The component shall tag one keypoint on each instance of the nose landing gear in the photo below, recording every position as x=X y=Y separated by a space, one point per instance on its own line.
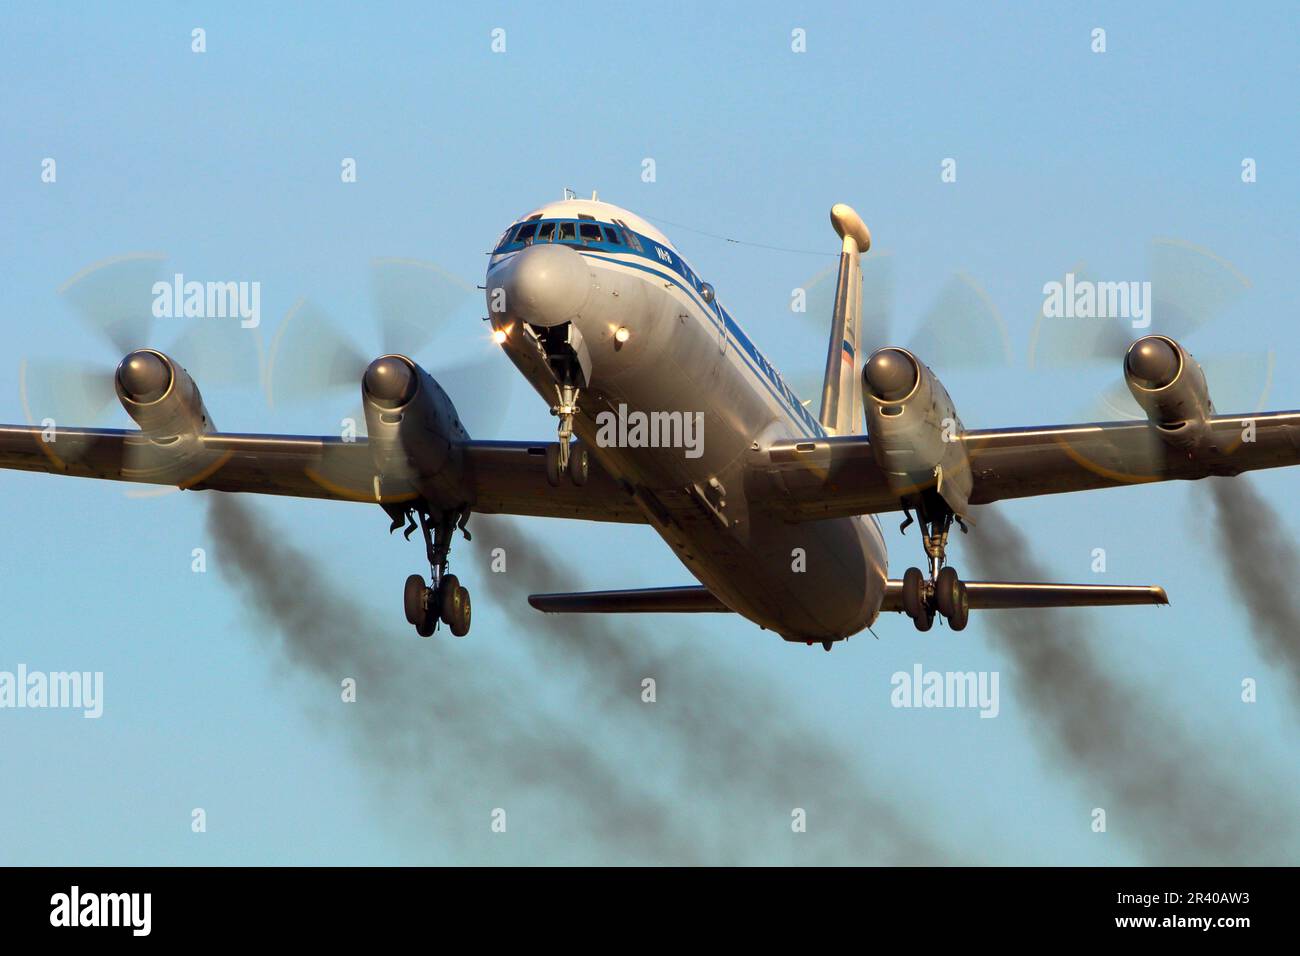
x=566 y=457
x=445 y=599
x=943 y=593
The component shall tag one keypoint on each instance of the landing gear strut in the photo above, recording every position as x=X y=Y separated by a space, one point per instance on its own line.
x=943 y=592
x=444 y=599
x=566 y=456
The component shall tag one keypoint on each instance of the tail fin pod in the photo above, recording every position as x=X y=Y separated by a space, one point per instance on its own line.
x=841 y=411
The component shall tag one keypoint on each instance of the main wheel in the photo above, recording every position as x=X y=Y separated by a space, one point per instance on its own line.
x=947 y=591
x=913 y=600
x=578 y=465
x=413 y=599
x=553 y=465
x=957 y=620
x=449 y=593
x=460 y=626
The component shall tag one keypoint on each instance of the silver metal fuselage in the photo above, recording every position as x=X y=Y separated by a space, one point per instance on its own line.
x=810 y=581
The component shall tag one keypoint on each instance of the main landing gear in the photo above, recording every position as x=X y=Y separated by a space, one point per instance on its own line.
x=943 y=593
x=445 y=599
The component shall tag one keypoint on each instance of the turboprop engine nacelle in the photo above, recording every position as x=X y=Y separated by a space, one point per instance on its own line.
x=160 y=396
x=414 y=432
x=1171 y=388
x=914 y=429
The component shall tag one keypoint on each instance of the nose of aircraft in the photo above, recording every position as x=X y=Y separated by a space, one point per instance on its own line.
x=542 y=285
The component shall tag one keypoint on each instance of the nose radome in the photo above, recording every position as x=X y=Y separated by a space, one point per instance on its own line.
x=543 y=285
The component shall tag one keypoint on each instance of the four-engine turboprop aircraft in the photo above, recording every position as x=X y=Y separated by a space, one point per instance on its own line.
x=669 y=415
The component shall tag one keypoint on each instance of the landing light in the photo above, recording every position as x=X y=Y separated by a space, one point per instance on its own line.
x=499 y=336
x=622 y=335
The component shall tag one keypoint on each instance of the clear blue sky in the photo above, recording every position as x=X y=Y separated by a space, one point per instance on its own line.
x=228 y=162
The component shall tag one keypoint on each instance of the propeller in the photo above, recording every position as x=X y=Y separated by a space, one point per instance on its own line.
x=961 y=328
x=413 y=305
x=114 y=299
x=1191 y=288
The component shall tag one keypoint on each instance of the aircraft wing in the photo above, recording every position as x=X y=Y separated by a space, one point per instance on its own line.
x=501 y=477
x=808 y=479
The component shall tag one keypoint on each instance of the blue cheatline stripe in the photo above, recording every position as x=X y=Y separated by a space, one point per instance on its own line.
x=754 y=358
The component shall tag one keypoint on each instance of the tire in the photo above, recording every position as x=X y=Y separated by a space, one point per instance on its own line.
x=925 y=621
x=460 y=626
x=448 y=598
x=947 y=591
x=912 y=602
x=961 y=615
x=413 y=599
x=553 y=465
x=426 y=627
x=579 y=465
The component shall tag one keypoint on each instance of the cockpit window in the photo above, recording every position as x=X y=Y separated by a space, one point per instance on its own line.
x=632 y=240
x=585 y=231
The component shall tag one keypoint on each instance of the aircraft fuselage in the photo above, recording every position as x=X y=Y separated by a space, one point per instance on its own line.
x=655 y=353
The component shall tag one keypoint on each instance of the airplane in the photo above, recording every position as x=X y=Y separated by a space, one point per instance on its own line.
x=774 y=510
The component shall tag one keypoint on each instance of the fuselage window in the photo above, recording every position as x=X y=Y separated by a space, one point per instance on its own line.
x=545 y=231
x=589 y=231
x=612 y=236
x=567 y=232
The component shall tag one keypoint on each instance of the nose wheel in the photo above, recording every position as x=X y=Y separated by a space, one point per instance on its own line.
x=444 y=599
x=943 y=592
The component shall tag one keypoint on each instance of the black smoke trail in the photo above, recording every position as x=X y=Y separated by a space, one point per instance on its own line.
x=445 y=724
x=711 y=776
x=1187 y=805
x=1265 y=565
x=735 y=738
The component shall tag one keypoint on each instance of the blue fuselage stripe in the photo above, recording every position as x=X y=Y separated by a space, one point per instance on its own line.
x=754 y=359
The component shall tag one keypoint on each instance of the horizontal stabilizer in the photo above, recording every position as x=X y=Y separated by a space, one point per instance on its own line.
x=684 y=600
x=1005 y=595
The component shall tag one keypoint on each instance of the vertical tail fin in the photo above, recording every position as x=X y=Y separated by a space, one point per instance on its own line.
x=841 y=411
